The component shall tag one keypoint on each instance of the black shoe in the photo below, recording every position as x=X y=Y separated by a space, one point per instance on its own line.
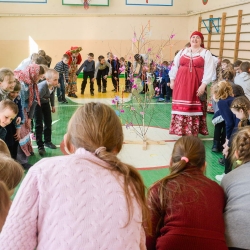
x=27 y=166
x=221 y=161
x=69 y=95
x=216 y=147
x=64 y=101
x=142 y=92
x=114 y=90
x=92 y=93
x=50 y=145
x=32 y=153
x=104 y=90
x=41 y=151
x=82 y=92
x=99 y=89
x=60 y=98
x=74 y=95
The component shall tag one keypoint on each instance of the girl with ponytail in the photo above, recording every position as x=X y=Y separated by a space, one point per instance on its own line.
x=186 y=208
x=86 y=200
x=236 y=186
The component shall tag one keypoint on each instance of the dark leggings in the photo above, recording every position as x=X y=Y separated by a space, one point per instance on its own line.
x=220 y=132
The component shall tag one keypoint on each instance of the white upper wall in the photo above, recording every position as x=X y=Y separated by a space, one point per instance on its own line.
x=116 y=7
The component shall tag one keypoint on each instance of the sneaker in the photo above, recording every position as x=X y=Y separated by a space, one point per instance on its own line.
x=60 y=98
x=91 y=93
x=219 y=177
x=32 y=153
x=27 y=166
x=64 y=101
x=41 y=151
x=221 y=161
x=168 y=100
x=161 y=100
x=142 y=92
x=32 y=137
x=74 y=95
x=50 y=145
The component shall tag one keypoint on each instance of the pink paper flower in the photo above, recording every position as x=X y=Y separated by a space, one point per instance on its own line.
x=172 y=36
x=149 y=49
x=132 y=108
x=122 y=111
x=134 y=86
x=142 y=113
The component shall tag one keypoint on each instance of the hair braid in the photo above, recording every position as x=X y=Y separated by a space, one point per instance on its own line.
x=241 y=145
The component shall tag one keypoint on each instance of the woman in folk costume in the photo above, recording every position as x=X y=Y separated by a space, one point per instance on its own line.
x=75 y=59
x=191 y=71
x=29 y=98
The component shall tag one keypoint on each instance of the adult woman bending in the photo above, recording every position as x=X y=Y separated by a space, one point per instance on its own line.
x=191 y=71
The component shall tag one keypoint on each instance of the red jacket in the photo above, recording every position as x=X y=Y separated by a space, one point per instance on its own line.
x=79 y=57
x=196 y=222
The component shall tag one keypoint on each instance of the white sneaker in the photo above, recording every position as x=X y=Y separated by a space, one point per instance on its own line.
x=219 y=177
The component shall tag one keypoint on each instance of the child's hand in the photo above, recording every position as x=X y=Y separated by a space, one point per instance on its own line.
x=17 y=134
x=53 y=109
x=225 y=151
x=18 y=120
x=66 y=84
x=93 y=79
x=105 y=77
x=168 y=84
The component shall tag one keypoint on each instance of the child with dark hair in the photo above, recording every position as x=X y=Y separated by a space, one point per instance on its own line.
x=103 y=69
x=63 y=69
x=115 y=64
x=236 y=65
x=14 y=128
x=88 y=68
x=236 y=186
x=165 y=89
x=243 y=78
x=127 y=68
x=186 y=207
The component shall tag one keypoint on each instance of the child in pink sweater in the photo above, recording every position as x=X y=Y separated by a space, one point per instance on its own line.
x=86 y=200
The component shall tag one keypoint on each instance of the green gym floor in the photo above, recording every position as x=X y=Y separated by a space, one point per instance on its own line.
x=159 y=157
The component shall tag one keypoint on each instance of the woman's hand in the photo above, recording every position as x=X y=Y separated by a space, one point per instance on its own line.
x=172 y=84
x=201 y=89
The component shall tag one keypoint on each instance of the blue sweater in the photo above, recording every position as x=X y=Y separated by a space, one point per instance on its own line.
x=230 y=119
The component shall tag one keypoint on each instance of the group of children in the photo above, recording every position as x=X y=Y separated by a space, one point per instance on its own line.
x=112 y=67
x=90 y=198
x=230 y=92
x=53 y=210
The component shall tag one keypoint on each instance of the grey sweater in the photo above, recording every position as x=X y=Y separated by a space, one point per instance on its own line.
x=45 y=95
x=102 y=67
x=236 y=185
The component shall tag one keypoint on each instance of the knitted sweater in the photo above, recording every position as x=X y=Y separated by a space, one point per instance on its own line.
x=236 y=186
x=72 y=202
x=196 y=220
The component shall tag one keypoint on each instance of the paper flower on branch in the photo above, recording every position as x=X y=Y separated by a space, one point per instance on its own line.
x=172 y=36
x=142 y=113
x=134 y=86
x=149 y=49
x=115 y=100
